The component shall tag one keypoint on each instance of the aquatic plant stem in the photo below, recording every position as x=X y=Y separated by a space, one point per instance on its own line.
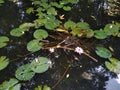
x=61 y=77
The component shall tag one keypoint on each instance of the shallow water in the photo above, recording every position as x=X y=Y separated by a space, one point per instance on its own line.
x=97 y=77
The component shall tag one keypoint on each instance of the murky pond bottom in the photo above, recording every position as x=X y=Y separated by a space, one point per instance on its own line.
x=66 y=73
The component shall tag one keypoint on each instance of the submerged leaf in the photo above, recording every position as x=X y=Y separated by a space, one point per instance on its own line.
x=40 y=65
x=103 y=52
x=34 y=45
x=24 y=72
x=4 y=61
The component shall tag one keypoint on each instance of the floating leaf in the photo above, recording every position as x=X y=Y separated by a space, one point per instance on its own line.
x=12 y=84
x=34 y=45
x=113 y=65
x=45 y=87
x=24 y=72
x=103 y=52
x=40 y=65
x=4 y=61
x=56 y=4
x=70 y=24
x=51 y=25
x=17 y=32
x=26 y=26
x=89 y=33
x=40 y=34
x=100 y=34
x=30 y=10
x=111 y=29
x=3 y=41
x=83 y=25
x=67 y=8
x=38 y=88
x=51 y=11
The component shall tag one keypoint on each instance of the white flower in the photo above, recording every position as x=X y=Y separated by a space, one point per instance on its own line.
x=79 y=50
x=51 y=50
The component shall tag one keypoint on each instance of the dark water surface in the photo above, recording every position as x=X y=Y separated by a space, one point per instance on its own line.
x=98 y=77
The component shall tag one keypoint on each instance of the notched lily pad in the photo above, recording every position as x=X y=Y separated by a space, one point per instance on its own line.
x=40 y=34
x=103 y=52
x=3 y=41
x=113 y=65
x=17 y=32
x=12 y=84
x=4 y=61
x=34 y=45
x=24 y=72
x=40 y=65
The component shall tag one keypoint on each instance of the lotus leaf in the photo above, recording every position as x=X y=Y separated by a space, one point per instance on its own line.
x=103 y=52
x=24 y=72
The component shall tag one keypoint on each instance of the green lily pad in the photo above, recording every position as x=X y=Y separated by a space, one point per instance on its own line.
x=40 y=65
x=17 y=32
x=40 y=87
x=24 y=72
x=113 y=65
x=83 y=25
x=66 y=8
x=103 y=52
x=100 y=34
x=111 y=29
x=69 y=25
x=3 y=41
x=12 y=84
x=51 y=11
x=40 y=34
x=26 y=26
x=4 y=61
x=34 y=45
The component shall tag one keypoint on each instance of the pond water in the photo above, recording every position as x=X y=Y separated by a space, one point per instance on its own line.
x=84 y=74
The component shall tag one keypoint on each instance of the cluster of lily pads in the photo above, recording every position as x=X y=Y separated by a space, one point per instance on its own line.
x=48 y=20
